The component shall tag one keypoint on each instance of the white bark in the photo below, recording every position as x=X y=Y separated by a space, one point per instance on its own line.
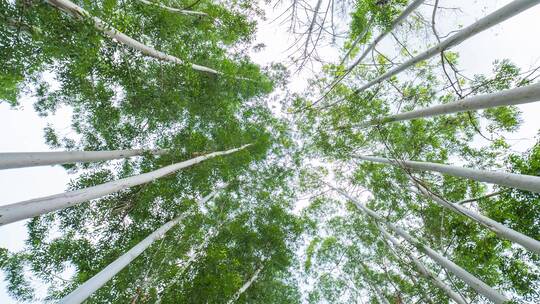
x=424 y=271
x=411 y=8
x=175 y=10
x=521 y=95
x=85 y=290
x=246 y=285
x=461 y=273
x=506 y=12
x=33 y=159
x=34 y=207
x=79 y=13
x=499 y=229
x=518 y=181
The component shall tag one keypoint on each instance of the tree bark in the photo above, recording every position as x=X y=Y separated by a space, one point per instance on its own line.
x=33 y=159
x=461 y=273
x=521 y=95
x=499 y=229
x=175 y=10
x=424 y=271
x=246 y=285
x=85 y=290
x=506 y=12
x=411 y=8
x=518 y=181
x=79 y=13
x=34 y=207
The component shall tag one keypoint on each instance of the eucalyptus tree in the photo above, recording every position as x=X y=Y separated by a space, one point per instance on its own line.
x=124 y=100
x=443 y=127
x=84 y=291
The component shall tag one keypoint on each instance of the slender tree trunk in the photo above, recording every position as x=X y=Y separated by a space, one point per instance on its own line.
x=34 y=207
x=79 y=13
x=411 y=8
x=175 y=10
x=246 y=285
x=424 y=271
x=461 y=273
x=521 y=95
x=33 y=159
x=518 y=181
x=85 y=290
x=506 y=12
x=499 y=229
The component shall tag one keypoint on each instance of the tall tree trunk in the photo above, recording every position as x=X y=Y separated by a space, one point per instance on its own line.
x=79 y=13
x=461 y=273
x=521 y=95
x=174 y=10
x=504 y=13
x=246 y=285
x=33 y=159
x=499 y=229
x=34 y=207
x=411 y=8
x=85 y=290
x=518 y=181
x=423 y=270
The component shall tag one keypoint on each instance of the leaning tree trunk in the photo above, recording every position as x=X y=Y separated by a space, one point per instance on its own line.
x=499 y=229
x=34 y=207
x=518 y=181
x=461 y=273
x=246 y=285
x=506 y=12
x=79 y=13
x=521 y=95
x=85 y=290
x=421 y=269
x=33 y=159
x=175 y=10
x=411 y=8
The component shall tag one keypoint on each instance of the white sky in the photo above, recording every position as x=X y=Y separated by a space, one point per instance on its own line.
x=22 y=130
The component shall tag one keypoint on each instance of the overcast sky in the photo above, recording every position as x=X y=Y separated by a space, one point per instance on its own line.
x=22 y=130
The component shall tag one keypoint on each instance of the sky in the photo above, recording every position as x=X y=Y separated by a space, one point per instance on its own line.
x=517 y=39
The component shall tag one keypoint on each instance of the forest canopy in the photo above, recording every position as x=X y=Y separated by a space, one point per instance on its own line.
x=201 y=176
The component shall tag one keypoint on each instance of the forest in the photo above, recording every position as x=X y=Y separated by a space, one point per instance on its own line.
x=197 y=174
